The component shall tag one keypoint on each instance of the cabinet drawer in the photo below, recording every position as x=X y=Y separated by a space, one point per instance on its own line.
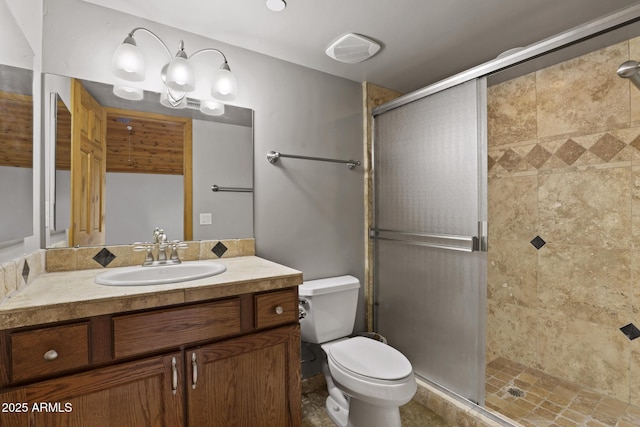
x=49 y=351
x=162 y=329
x=276 y=308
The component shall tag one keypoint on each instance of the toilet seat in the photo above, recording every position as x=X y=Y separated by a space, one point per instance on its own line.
x=370 y=359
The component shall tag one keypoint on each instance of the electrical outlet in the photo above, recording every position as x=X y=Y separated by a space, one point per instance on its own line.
x=205 y=219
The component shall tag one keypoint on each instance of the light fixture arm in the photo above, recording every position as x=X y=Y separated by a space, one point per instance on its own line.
x=209 y=49
x=166 y=48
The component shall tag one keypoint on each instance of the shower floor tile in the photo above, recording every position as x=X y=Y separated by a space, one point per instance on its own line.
x=535 y=399
x=413 y=414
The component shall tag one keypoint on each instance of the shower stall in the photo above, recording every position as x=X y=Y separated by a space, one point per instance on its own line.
x=506 y=228
x=430 y=217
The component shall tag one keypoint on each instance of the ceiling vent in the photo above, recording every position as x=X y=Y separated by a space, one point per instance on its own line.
x=352 y=48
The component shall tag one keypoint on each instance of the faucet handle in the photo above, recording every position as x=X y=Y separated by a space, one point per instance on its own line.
x=143 y=246
x=175 y=245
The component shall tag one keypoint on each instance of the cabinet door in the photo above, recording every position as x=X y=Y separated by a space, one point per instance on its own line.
x=133 y=394
x=251 y=381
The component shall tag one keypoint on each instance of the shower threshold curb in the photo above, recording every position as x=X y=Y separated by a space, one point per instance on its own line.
x=486 y=417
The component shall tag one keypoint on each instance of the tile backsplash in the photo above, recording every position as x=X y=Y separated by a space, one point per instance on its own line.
x=94 y=257
x=17 y=274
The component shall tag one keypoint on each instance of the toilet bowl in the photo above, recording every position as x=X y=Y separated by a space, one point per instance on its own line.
x=367 y=380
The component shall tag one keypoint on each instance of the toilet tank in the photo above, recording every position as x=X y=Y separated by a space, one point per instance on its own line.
x=331 y=305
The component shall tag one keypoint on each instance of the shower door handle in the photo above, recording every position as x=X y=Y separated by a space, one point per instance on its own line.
x=439 y=241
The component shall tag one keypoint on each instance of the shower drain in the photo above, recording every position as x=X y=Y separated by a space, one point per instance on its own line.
x=513 y=391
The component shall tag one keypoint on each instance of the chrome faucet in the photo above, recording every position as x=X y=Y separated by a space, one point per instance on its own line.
x=164 y=256
x=159 y=236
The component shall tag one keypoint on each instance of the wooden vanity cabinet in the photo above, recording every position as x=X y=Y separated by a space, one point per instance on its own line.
x=250 y=379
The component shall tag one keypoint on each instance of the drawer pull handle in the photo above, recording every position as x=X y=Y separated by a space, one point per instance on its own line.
x=194 y=368
x=174 y=375
x=50 y=355
x=279 y=310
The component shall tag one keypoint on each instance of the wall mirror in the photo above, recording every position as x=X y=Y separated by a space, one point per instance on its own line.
x=160 y=165
x=16 y=153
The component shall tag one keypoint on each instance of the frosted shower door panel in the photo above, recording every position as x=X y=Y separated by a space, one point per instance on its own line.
x=430 y=180
x=426 y=164
x=428 y=310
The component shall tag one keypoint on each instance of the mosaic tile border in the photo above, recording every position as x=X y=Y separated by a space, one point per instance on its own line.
x=612 y=147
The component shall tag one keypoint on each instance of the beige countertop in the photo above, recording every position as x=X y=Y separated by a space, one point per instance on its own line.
x=61 y=296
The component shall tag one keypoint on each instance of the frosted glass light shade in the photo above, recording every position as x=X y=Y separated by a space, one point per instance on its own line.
x=128 y=62
x=130 y=93
x=212 y=108
x=224 y=85
x=180 y=75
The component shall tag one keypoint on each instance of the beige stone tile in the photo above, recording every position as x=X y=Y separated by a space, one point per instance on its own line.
x=63 y=259
x=10 y=278
x=590 y=283
x=634 y=370
x=511 y=110
x=635 y=206
x=512 y=272
x=634 y=93
x=85 y=257
x=3 y=291
x=512 y=207
x=583 y=94
x=589 y=207
x=594 y=355
x=20 y=279
x=511 y=332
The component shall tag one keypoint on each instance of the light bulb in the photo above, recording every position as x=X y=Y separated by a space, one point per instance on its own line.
x=224 y=85
x=212 y=108
x=128 y=62
x=180 y=75
x=130 y=93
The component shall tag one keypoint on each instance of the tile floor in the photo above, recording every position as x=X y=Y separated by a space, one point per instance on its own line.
x=533 y=398
x=413 y=414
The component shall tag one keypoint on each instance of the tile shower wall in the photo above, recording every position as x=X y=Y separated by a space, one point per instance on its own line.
x=564 y=221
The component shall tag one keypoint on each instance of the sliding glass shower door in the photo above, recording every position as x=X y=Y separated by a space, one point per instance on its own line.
x=429 y=234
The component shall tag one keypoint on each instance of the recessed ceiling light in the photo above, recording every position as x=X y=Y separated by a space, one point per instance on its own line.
x=276 y=5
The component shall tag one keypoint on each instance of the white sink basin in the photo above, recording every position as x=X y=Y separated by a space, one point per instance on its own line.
x=160 y=274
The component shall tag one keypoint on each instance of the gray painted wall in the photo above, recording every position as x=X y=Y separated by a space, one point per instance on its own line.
x=222 y=155
x=308 y=215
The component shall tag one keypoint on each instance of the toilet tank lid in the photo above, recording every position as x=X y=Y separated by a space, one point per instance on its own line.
x=325 y=286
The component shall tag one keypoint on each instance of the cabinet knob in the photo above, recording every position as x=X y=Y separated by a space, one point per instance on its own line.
x=50 y=355
x=279 y=310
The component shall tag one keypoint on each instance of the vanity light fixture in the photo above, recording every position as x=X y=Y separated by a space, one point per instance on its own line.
x=178 y=76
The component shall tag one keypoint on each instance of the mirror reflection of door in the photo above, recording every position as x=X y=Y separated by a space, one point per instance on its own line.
x=88 y=168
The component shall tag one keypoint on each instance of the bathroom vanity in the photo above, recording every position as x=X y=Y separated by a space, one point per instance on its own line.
x=219 y=351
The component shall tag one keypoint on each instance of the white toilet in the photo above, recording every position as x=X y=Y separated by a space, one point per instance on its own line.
x=368 y=380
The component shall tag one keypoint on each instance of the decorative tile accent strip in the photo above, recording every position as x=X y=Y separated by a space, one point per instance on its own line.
x=607 y=147
x=104 y=257
x=538 y=156
x=570 y=151
x=510 y=160
x=538 y=242
x=219 y=249
x=25 y=272
x=631 y=331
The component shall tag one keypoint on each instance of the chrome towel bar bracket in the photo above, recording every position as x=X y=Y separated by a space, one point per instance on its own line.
x=273 y=156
